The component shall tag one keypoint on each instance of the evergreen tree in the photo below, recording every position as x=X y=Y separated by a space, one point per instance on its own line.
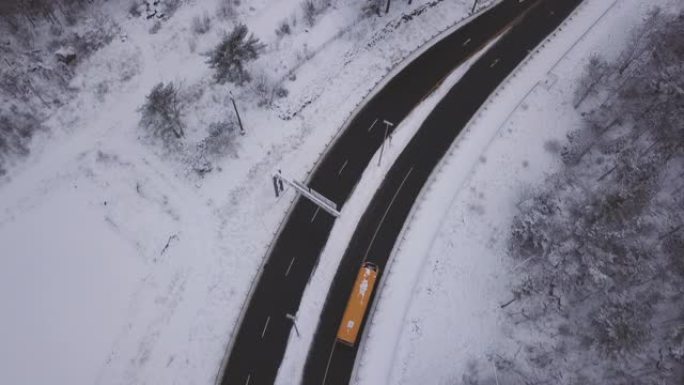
x=228 y=59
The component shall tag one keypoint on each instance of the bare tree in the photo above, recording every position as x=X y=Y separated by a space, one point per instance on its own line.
x=372 y=7
x=595 y=71
x=599 y=248
x=310 y=12
x=201 y=24
x=161 y=113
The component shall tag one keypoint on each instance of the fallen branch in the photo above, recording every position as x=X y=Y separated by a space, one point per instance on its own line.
x=168 y=243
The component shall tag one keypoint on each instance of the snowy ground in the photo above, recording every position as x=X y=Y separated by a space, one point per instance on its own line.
x=438 y=308
x=120 y=265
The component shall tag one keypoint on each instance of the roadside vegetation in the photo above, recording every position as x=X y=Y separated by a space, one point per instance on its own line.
x=42 y=43
x=599 y=248
x=61 y=35
x=238 y=74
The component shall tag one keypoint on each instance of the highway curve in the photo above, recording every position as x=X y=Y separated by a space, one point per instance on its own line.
x=261 y=339
x=329 y=362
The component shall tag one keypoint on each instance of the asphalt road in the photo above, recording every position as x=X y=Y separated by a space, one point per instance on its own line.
x=262 y=336
x=329 y=362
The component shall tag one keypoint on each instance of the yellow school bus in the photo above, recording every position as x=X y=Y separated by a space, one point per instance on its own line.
x=358 y=304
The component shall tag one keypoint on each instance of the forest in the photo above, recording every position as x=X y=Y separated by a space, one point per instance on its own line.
x=598 y=249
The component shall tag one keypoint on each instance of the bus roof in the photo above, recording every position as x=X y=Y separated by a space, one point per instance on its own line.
x=357 y=304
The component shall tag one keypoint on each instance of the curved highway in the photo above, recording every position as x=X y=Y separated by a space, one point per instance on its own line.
x=329 y=362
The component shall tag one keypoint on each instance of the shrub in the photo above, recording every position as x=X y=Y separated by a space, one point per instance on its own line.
x=16 y=131
x=310 y=12
x=161 y=113
x=263 y=89
x=283 y=29
x=226 y=10
x=201 y=24
x=228 y=59
x=220 y=140
x=134 y=9
x=312 y=8
x=620 y=328
x=155 y=27
x=267 y=90
x=171 y=6
x=372 y=7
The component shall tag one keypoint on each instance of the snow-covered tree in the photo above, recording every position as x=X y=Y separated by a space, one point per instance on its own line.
x=161 y=113
x=229 y=58
x=602 y=241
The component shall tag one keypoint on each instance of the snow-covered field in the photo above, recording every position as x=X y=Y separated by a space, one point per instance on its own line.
x=120 y=264
x=438 y=315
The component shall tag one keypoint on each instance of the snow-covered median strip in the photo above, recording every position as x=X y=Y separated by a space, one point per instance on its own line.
x=314 y=296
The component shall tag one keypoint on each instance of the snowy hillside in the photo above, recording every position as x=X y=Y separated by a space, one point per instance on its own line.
x=125 y=256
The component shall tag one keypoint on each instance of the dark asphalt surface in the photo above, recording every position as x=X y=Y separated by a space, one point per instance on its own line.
x=329 y=362
x=262 y=336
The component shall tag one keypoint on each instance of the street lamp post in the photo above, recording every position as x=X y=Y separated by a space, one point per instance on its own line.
x=294 y=322
x=382 y=148
x=242 y=129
